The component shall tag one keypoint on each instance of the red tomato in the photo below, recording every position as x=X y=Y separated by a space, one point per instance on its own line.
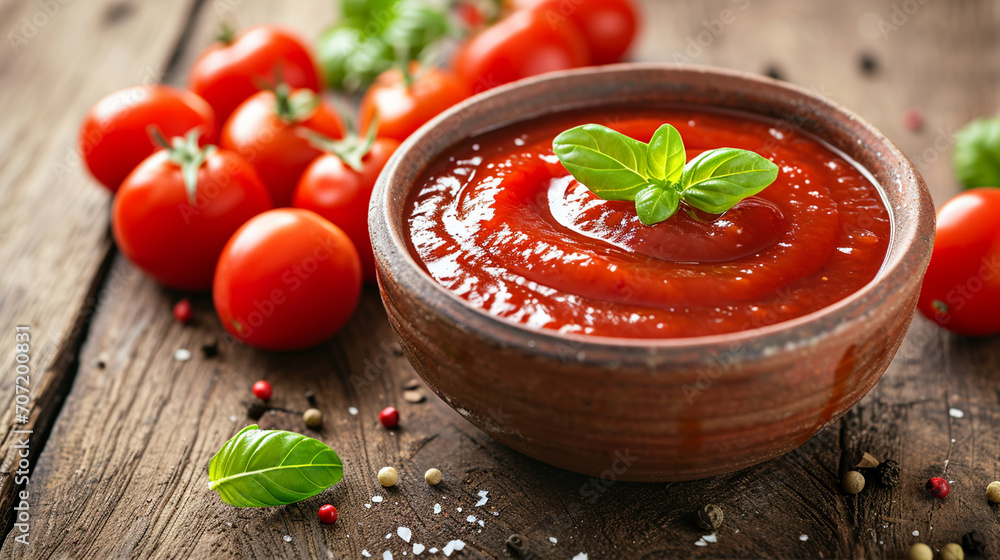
x=177 y=242
x=114 y=138
x=288 y=279
x=608 y=25
x=961 y=290
x=521 y=45
x=231 y=70
x=402 y=108
x=334 y=190
x=270 y=132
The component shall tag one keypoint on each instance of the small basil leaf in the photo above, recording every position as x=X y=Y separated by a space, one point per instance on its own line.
x=977 y=154
x=718 y=179
x=258 y=468
x=607 y=162
x=666 y=154
x=656 y=203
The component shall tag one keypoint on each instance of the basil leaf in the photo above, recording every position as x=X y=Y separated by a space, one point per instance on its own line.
x=656 y=203
x=609 y=163
x=977 y=154
x=258 y=468
x=666 y=154
x=718 y=179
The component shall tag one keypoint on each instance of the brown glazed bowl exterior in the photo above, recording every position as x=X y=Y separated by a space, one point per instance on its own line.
x=653 y=410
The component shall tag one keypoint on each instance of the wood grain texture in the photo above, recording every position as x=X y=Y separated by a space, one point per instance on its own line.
x=123 y=474
x=60 y=58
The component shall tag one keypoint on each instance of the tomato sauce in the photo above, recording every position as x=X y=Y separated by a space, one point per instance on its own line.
x=499 y=222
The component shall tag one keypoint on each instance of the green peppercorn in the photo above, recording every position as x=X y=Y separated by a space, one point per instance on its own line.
x=710 y=517
x=993 y=492
x=952 y=551
x=920 y=551
x=313 y=418
x=853 y=482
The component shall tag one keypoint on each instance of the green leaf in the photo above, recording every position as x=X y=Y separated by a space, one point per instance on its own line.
x=718 y=179
x=258 y=468
x=666 y=154
x=656 y=203
x=609 y=163
x=977 y=154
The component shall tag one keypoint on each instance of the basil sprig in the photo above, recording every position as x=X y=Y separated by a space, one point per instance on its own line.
x=977 y=153
x=258 y=468
x=655 y=175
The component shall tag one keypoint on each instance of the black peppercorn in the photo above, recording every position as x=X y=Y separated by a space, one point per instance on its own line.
x=973 y=544
x=311 y=398
x=210 y=349
x=517 y=546
x=887 y=473
x=256 y=409
x=868 y=63
x=710 y=517
x=774 y=73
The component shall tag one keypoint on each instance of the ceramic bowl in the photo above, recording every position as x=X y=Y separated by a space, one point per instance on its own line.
x=653 y=410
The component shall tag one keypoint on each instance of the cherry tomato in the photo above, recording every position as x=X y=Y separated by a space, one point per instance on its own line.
x=269 y=131
x=114 y=138
x=608 y=25
x=404 y=107
x=333 y=189
x=288 y=279
x=175 y=240
x=234 y=68
x=961 y=290
x=521 y=45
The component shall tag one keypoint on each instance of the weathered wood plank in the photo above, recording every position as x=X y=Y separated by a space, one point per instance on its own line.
x=53 y=233
x=124 y=472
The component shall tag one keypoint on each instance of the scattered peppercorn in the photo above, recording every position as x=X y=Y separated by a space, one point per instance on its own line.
x=938 y=487
x=888 y=473
x=974 y=544
x=389 y=417
x=432 y=477
x=413 y=396
x=256 y=409
x=183 y=312
x=773 y=73
x=993 y=492
x=867 y=461
x=868 y=63
x=853 y=482
x=262 y=390
x=710 y=517
x=517 y=546
x=313 y=418
x=311 y=398
x=952 y=551
x=387 y=477
x=920 y=551
x=327 y=514
x=210 y=349
x=913 y=120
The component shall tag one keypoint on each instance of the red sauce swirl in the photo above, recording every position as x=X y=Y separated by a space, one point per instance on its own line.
x=499 y=222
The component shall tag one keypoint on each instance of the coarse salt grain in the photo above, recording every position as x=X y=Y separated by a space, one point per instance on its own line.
x=700 y=542
x=287 y=538
x=471 y=519
x=387 y=555
x=376 y=498
x=553 y=540
x=452 y=546
x=182 y=354
x=482 y=498
x=916 y=533
x=404 y=533
x=581 y=556
x=437 y=508
x=956 y=413
x=366 y=554
x=803 y=537
x=352 y=411
x=710 y=538
x=417 y=548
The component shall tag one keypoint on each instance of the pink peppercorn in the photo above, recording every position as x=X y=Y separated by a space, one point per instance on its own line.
x=938 y=487
x=327 y=514
x=389 y=417
x=262 y=390
x=183 y=312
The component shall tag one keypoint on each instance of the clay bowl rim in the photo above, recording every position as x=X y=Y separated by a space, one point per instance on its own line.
x=394 y=260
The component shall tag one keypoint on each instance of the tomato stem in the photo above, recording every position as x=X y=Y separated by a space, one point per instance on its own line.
x=226 y=34
x=186 y=154
x=352 y=149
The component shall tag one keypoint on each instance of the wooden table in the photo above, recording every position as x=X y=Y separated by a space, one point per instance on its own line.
x=122 y=432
